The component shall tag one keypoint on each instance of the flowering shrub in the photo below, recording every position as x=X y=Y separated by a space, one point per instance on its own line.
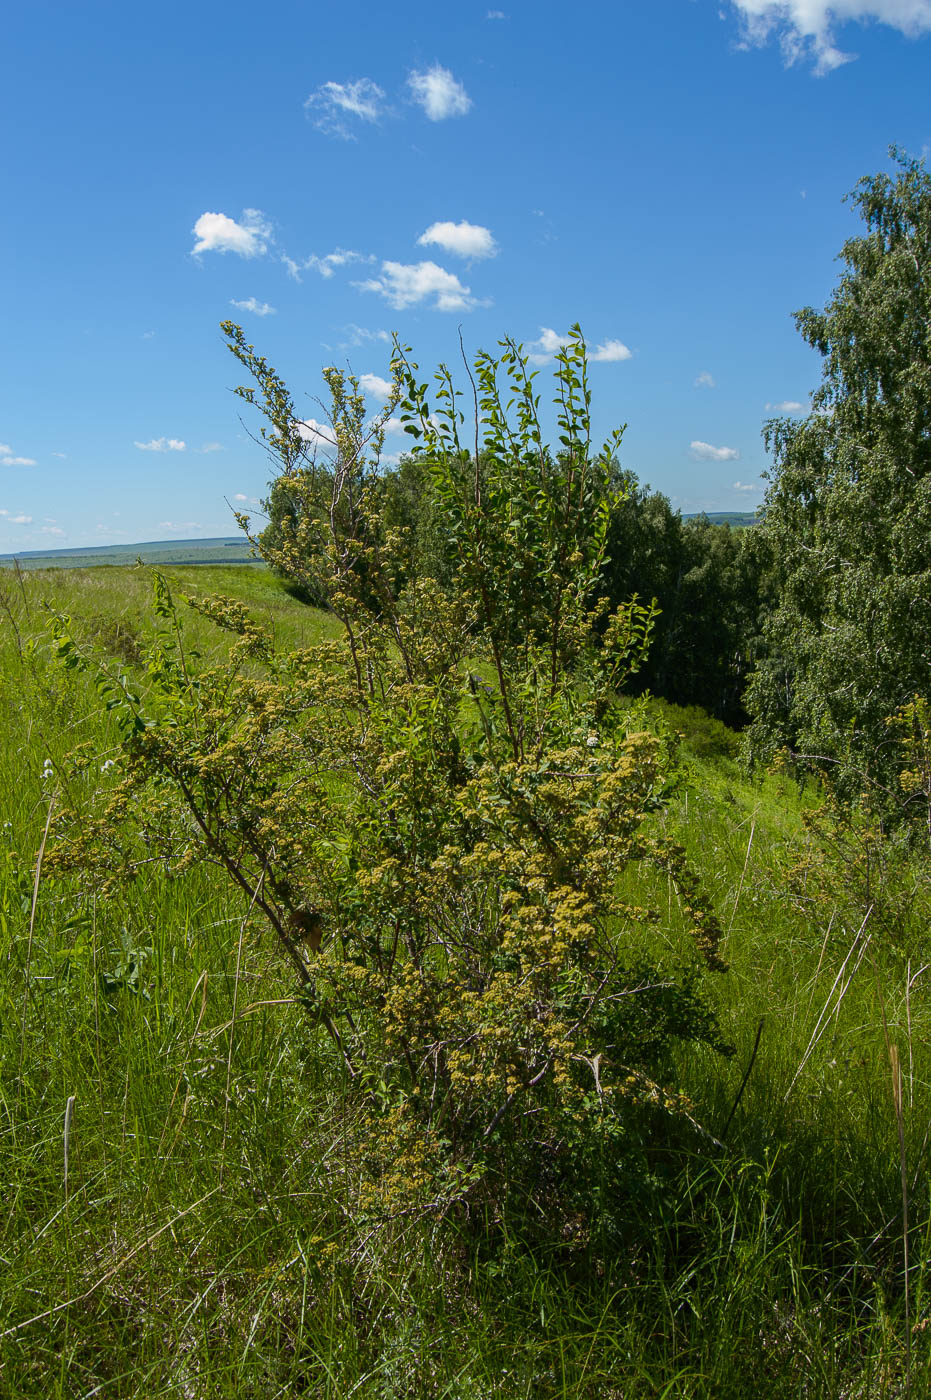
x=444 y=820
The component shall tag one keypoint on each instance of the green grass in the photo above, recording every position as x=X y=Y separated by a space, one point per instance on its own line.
x=206 y=1242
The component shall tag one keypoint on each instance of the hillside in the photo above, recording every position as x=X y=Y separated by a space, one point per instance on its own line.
x=222 y=550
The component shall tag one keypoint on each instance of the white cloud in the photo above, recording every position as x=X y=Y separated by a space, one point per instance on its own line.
x=172 y=526
x=806 y=27
x=439 y=93
x=785 y=406
x=246 y=500
x=162 y=444
x=258 y=308
x=376 y=386
x=496 y=14
x=5 y=449
x=541 y=351
x=334 y=105
x=20 y=519
x=62 y=455
x=212 y=447
x=609 y=352
x=747 y=486
x=18 y=461
x=464 y=239
x=704 y=452
x=314 y=433
x=51 y=530
x=360 y=336
x=218 y=233
x=394 y=425
x=340 y=257
x=705 y=380
x=406 y=284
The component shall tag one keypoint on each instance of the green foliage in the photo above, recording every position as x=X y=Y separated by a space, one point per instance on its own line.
x=706 y=582
x=459 y=873
x=847 y=521
x=216 y=1235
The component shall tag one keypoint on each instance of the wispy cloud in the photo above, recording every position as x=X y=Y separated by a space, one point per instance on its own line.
x=340 y=257
x=244 y=500
x=439 y=93
x=18 y=519
x=408 y=284
x=705 y=380
x=785 y=406
x=705 y=452
x=51 y=530
x=464 y=239
x=496 y=14
x=747 y=486
x=9 y=460
x=258 y=308
x=212 y=447
x=175 y=526
x=218 y=233
x=358 y=335
x=162 y=444
x=806 y=28
x=334 y=107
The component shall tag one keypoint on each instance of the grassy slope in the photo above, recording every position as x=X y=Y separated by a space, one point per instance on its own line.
x=205 y=1244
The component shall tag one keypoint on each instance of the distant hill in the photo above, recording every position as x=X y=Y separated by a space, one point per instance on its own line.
x=231 y=550
x=737 y=519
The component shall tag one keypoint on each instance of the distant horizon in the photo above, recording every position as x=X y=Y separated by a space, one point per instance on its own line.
x=229 y=541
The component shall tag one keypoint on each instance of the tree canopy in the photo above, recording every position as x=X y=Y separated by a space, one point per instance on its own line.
x=847 y=519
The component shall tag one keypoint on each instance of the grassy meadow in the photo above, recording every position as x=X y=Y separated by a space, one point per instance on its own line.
x=178 y=1214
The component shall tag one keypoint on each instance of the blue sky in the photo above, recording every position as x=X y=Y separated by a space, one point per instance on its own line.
x=669 y=173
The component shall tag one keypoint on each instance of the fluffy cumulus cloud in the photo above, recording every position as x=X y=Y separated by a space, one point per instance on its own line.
x=705 y=452
x=540 y=352
x=785 y=406
x=162 y=444
x=609 y=352
x=9 y=458
x=374 y=385
x=315 y=434
x=464 y=239
x=258 y=308
x=806 y=28
x=439 y=93
x=218 y=233
x=335 y=108
x=408 y=284
x=705 y=380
